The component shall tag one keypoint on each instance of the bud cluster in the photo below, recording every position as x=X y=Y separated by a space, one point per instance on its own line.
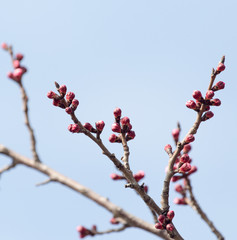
x=19 y=70
x=121 y=126
x=165 y=221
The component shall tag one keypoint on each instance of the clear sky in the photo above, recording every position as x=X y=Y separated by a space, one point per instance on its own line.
x=145 y=57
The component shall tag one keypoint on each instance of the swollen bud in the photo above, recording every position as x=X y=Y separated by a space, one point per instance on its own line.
x=191 y=104
x=168 y=149
x=190 y=138
x=100 y=125
x=207 y=115
x=220 y=67
x=210 y=94
x=175 y=134
x=197 y=95
x=170 y=215
x=117 y=112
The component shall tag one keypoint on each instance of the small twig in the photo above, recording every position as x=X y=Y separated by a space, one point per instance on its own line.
x=27 y=122
x=113 y=230
x=8 y=167
x=44 y=182
x=125 y=157
x=194 y=204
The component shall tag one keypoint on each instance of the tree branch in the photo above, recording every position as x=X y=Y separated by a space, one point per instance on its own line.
x=102 y=201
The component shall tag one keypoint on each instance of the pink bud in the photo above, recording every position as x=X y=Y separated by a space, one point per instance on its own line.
x=24 y=69
x=179 y=188
x=184 y=158
x=161 y=218
x=129 y=126
x=138 y=176
x=192 y=170
x=70 y=96
x=63 y=89
x=216 y=102
x=180 y=201
x=185 y=168
x=220 y=67
x=116 y=127
x=4 y=46
x=10 y=75
x=68 y=110
x=191 y=104
x=145 y=188
x=100 y=125
x=16 y=63
x=219 y=85
x=207 y=115
x=75 y=103
x=51 y=94
x=88 y=126
x=19 y=56
x=18 y=72
x=117 y=112
x=112 y=138
x=125 y=121
x=197 y=95
x=170 y=227
x=170 y=215
x=114 y=221
x=75 y=128
x=115 y=176
x=168 y=148
x=190 y=138
x=175 y=134
x=175 y=178
x=56 y=102
x=159 y=226
x=187 y=148
x=130 y=135
x=210 y=94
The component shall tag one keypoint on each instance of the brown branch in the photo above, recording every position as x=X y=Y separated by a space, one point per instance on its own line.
x=194 y=204
x=27 y=122
x=8 y=167
x=130 y=219
x=112 y=230
x=125 y=157
x=180 y=145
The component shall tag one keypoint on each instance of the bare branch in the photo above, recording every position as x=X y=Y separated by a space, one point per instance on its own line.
x=130 y=219
x=113 y=230
x=194 y=204
x=8 y=167
x=44 y=182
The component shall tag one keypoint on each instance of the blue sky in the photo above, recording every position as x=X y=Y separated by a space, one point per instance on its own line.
x=145 y=57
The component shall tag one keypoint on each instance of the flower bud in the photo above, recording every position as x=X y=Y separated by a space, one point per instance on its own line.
x=159 y=226
x=185 y=168
x=56 y=102
x=175 y=178
x=51 y=94
x=19 y=56
x=74 y=128
x=207 y=115
x=116 y=127
x=175 y=134
x=18 y=72
x=63 y=89
x=115 y=176
x=138 y=176
x=191 y=104
x=170 y=227
x=114 y=221
x=219 y=85
x=179 y=188
x=70 y=96
x=4 y=46
x=100 y=125
x=16 y=63
x=113 y=138
x=192 y=170
x=10 y=75
x=69 y=110
x=168 y=149
x=209 y=94
x=180 y=201
x=88 y=126
x=220 y=67
x=197 y=95
x=187 y=148
x=170 y=215
x=184 y=158
x=161 y=218
x=125 y=121
x=190 y=138
x=130 y=135
x=216 y=102
x=145 y=188
x=117 y=112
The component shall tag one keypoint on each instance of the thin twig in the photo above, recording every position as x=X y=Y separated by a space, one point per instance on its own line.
x=113 y=230
x=125 y=157
x=8 y=167
x=194 y=204
x=44 y=182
